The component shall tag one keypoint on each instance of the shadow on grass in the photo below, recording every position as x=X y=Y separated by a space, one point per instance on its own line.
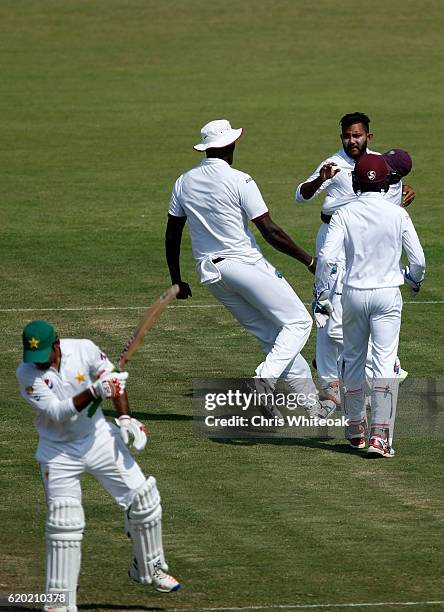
x=323 y=444
x=152 y=416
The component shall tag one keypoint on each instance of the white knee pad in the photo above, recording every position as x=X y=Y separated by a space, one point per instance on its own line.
x=64 y=532
x=144 y=525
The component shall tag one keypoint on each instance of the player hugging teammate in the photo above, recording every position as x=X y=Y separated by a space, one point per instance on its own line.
x=357 y=303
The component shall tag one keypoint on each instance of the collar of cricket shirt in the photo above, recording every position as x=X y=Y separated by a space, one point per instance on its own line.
x=214 y=160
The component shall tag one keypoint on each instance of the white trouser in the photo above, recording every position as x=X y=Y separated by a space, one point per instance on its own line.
x=329 y=337
x=376 y=312
x=103 y=455
x=266 y=306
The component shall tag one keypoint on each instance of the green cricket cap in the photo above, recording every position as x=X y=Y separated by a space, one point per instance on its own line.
x=38 y=338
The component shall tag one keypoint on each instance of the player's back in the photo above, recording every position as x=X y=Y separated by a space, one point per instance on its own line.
x=373 y=229
x=211 y=195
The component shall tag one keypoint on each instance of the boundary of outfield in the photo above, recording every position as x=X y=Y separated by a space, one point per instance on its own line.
x=323 y=605
x=111 y=308
x=312 y=606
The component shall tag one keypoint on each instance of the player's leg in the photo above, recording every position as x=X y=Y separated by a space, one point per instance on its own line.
x=266 y=306
x=385 y=324
x=329 y=338
x=356 y=328
x=327 y=354
x=64 y=527
x=110 y=461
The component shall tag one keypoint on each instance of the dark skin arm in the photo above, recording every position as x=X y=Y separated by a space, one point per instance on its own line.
x=327 y=172
x=281 y=241
x=173 y=239
x=83 y=399
x=408 y=195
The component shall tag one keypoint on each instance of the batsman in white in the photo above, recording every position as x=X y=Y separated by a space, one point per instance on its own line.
x=218 y=201
x=64 y=381
x=334 y=177
x=372 y=232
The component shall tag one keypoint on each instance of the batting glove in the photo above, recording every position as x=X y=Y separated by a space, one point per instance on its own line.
x=110 y=385
x=415 y=286
x=322 y=307
x=132 y=427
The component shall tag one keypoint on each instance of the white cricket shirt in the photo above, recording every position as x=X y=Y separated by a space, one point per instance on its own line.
x=373 y=232
x=339 y=189
x=50 y=392
x=218 y=202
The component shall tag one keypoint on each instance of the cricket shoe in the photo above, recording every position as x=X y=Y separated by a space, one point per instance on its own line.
x=162 y=582
x=323 y=409
x=333 y=393
x=379 y=448
x=265 y=394
x=357 y=443
x=355 y=434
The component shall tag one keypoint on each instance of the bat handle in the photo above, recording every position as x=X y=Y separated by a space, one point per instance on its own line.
x=122 y=357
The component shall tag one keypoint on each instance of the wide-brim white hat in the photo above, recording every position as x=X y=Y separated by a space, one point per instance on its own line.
x=217 y=134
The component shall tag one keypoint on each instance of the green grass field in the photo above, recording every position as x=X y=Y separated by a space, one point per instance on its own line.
x=101 y=102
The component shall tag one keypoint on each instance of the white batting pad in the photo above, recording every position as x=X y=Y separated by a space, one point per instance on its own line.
x=144 y=524
x=64 y=532
x=384 y=401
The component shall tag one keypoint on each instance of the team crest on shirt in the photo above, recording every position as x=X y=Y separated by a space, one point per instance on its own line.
x=371 y=174
x=30 y=391
x=80 y=377
x=49 y=383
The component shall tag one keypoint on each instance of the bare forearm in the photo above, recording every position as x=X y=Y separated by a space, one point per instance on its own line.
x=82 y=400
x=121 y=404
x=283 y=243
x=308 y=189
x=173 y=239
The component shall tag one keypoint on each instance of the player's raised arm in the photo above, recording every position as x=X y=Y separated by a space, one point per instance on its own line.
x=307 y=190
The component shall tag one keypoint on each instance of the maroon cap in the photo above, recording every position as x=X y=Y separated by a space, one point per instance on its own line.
x=371 y=169
x=399 y=161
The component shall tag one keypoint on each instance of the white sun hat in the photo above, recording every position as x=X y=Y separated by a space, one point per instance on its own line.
x=217 y=134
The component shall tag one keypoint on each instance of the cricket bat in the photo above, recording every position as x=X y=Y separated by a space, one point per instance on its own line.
x=145 y=324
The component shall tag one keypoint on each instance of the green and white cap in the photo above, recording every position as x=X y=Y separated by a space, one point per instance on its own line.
x=38 y=338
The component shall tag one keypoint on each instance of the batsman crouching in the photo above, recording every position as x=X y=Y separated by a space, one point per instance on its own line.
x=64 y=381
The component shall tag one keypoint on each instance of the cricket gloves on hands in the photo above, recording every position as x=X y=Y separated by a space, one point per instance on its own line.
x=132 y=427
x=110 y=385
x=322 y=307
x=415 y=286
